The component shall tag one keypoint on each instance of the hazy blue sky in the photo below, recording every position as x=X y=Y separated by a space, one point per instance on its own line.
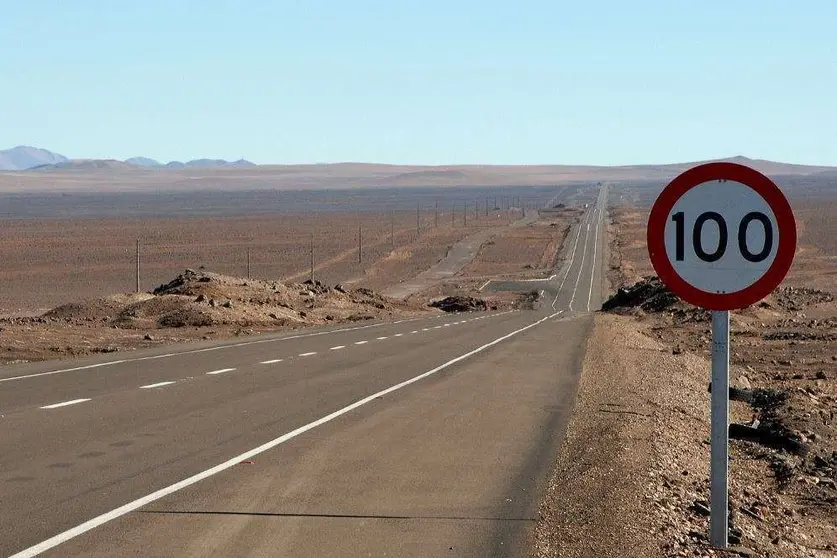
x=608 y=82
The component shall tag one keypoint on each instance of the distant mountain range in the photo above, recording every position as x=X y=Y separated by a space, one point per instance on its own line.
x=29 y=158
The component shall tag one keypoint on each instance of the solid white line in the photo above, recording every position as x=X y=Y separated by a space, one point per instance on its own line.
x=361 y=342
x=97 y=521
x=62 y=371
x=308 y=354
x=274 y=361
x=221 y=371
x=64 y=404
x=595 y=249
x=337 y=348
x=569 y=267
x=580 y=266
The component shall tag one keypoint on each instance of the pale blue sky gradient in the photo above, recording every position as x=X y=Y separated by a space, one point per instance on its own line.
x=433 y=82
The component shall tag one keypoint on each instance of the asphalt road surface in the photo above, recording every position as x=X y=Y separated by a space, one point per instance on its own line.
x=427 y=437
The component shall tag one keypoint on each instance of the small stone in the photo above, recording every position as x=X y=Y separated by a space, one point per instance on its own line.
x=201 y=298
x=148 y=337
x=228 y=304
x=744 y=382
x=821 y=375
x=212 y=302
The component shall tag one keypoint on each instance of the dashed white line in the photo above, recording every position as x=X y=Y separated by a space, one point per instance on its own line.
x=312 y=353
x=414 y=331
x=158 y=384
x=569 y=267
x=398 y=335
x=382 y=338
x=337 y=348
x=425 y=329
x=274 y=361
x=361 y=342
x=64 y=404
x=221 y=371
x=99 y=520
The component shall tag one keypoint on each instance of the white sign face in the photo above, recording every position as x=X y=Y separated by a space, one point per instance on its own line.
x=721 y=236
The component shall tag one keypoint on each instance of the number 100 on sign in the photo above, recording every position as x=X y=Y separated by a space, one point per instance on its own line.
x=721 y=237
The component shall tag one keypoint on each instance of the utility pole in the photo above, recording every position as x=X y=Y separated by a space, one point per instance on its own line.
x=418 y=218
x=312 y=256
x=486 y=206
x=392 y=229
x=465 y=214
x=248 y=261
x=138 y=266
x=436 y=215
x=453 y=214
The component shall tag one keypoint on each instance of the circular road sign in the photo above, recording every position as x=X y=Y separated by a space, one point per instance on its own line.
x=721 y=236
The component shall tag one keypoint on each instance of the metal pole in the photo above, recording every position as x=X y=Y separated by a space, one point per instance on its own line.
x=138 y=266
x=719 y=495
x=312 y=256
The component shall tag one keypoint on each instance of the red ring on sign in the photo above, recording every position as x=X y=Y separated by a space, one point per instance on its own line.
x=767 y=190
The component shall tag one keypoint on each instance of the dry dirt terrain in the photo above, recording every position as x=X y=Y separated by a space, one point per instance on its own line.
x=212 y=303
x=50 y=262
x=642 y=488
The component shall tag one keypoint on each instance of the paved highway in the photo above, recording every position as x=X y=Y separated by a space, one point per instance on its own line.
x=422 y=437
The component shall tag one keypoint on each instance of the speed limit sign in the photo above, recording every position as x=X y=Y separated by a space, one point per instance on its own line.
x=721 y=236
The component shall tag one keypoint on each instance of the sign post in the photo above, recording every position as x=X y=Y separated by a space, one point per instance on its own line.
x=721 y=236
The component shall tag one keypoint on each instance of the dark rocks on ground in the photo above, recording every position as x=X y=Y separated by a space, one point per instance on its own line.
x=460 y=304
x=228 y=304
x=649 y=294
x=200 y=298
x=148 y=337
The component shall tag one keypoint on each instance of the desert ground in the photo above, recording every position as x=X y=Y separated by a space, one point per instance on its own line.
x=634 y=470
x=69 y=283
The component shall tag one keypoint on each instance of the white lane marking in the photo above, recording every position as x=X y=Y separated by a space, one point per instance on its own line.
x=312 y=353
x=196 y=351
x=581 y=265
x=382 y=338
x=62 y=371
x=221 y=371
x=484 y=285
x=398 y=335
x=425 y=329
x=97 y=521
x=437 y=327
x=595 y=249
x=569 y=267
x=448 y=325
x=414 y=331
x=64 y=404
x=158 y=384
x=274 y=361
x=397 y=322
x=361 y=342
x=337 y=348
